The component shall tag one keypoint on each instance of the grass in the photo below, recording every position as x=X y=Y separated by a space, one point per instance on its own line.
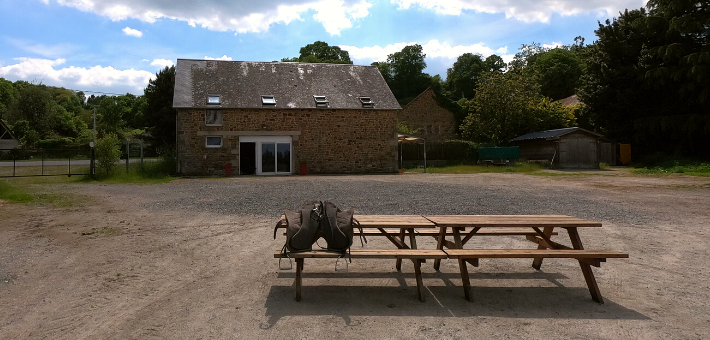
x=685 y=167
x=14 y=194
x=151 y=173
x=524 y=168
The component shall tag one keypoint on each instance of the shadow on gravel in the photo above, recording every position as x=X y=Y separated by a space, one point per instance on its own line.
x=348 y=301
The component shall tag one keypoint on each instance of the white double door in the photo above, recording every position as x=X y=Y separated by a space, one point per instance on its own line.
x=273 y=154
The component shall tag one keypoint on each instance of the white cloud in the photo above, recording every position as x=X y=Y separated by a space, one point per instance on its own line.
x=554 y=44
x=96 y=78
x=162 y=63
x=524 y=10
x=224 y=57
x=432 y=49
x=47 y=51
x=132 y=32
x=237 y=16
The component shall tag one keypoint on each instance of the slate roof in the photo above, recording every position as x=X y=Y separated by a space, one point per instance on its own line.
x=571 y=100
x=240 y=84
x=552 y=134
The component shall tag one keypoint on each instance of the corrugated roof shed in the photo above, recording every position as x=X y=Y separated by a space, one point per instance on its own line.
x=240 y=84
x=551 y=134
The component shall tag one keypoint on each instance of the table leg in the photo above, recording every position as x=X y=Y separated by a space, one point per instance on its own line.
x=537 y=262
x=401 y=239
x=299 y=269
x=418 y=275
x=440 y=245
x=586 y=268
x=465 y=280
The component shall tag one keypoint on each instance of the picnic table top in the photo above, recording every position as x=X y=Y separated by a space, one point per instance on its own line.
x=503 y=221
x=471 y=221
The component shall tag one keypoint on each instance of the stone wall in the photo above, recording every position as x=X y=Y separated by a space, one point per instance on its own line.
x=433 y=121
x=327 y=140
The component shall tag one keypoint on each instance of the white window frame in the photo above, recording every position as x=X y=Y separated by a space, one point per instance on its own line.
x=259 y=140
x=268 y=100
x=367 y=102
x=212 y=146
x=213 y=99
x=321 y=101
x=221 y=118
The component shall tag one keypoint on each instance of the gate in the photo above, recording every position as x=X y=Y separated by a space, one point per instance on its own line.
x=49 y=162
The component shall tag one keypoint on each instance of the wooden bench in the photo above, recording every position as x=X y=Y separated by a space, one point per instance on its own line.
x=589 y=257
x=416 y=255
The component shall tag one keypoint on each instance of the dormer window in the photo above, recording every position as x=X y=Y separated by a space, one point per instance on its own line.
x=321 y=101
x=367 y=102
x=213 y=100
x=268 y=100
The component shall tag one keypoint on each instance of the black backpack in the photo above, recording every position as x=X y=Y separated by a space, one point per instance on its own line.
x=316 y=219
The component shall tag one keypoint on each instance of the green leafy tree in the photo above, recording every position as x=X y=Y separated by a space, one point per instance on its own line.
x=159 y=114
x=108 y=152
x=462 y=78
x=510 y=105
x=35 y=105
x=110 y=116
x=558 y=72
x=404 y=73
x=8 y=95
x=321 y=52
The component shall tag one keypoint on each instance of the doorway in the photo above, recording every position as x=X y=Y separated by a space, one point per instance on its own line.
x=266 y=155
x=247 y=158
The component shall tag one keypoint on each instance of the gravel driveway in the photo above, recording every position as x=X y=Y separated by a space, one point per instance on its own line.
x=193 y=259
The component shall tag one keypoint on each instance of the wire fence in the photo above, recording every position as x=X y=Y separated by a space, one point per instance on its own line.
x=45 y=162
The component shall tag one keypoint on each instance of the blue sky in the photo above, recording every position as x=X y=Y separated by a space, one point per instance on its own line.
x=116 y=46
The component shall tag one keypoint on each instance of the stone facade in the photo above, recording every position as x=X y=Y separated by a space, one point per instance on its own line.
x=326 y=140
x=434 y=122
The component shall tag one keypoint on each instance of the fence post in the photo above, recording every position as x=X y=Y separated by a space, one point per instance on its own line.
x=128 y=152
x=42 y=163
x=92 y=164
x=141 y=154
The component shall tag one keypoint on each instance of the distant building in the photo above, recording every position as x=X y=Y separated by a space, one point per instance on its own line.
x=428 y=118
x=567 y=148
x=571 y=100
x=283 y=118
x=7 y=140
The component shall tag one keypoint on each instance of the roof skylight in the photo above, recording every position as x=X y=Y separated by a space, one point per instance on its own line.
x=268 y=100
x=213 y=99
x=367 y=102
x=321 y=101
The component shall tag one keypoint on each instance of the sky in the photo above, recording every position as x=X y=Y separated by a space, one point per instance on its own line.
x=117 y=46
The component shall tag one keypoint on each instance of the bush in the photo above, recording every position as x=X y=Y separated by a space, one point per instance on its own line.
x=108 y=153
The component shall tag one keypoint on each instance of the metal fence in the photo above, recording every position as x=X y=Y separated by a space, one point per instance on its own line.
x=45 y=162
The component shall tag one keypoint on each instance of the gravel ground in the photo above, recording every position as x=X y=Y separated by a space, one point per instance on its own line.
x=193 y=259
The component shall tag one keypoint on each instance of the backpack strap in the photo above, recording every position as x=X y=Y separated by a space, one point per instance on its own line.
x=280 y=224
x=359 y=227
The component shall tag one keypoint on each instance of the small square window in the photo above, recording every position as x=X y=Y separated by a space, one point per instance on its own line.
x=367 y=102
x=213 y=100
x=321 y=101
x=213 y=117
x=213 y=141
x=268 y=100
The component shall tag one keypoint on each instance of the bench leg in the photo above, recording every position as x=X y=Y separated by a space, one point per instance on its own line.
x=537 y=263
x=401 y=238
x=440 y=246
x=586 y=268
x=299 y=269
x=465 y=280
x=418 y=275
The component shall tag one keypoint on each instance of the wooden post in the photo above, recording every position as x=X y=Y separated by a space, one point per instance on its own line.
x=537 y=262
x=440 y=245
x=299 y=269
x=420 y=283
x=586 y=268
x=462 y=265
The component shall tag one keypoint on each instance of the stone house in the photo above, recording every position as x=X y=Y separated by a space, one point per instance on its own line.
x=433 y=122
x=268 y=118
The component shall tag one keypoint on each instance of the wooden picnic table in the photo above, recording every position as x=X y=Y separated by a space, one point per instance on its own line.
x=541 y=228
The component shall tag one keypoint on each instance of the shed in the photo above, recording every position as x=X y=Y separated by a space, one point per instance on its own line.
x=573 y=148
x=7 y=140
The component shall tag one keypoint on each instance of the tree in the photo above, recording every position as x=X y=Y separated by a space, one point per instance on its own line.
x=35 y=105
x=321 y=52
x=8 y=95
x=558 y=72
x=404 y=73
x=462 y=78
x=509 y=105
x=108 y=152
x=159 y=114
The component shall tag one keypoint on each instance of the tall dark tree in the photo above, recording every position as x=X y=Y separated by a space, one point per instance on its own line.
x=558 y=71
x=404 y=73
x=321 y=52
x=8 y=94
x=159 y=114
x=462 y=78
